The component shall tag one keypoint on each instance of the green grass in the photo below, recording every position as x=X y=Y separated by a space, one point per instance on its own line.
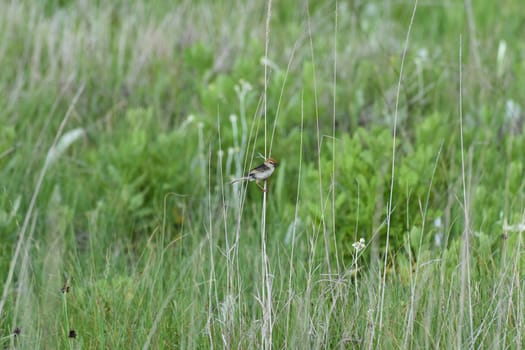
x=122 y=123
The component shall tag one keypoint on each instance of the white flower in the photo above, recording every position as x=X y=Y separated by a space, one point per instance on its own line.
x=359 y=245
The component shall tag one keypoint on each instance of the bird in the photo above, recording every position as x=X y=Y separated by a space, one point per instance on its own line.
x=260 y=173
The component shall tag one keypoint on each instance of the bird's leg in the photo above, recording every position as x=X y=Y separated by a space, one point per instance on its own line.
x=261 y=187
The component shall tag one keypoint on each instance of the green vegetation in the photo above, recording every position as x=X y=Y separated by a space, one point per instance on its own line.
x=122 y=123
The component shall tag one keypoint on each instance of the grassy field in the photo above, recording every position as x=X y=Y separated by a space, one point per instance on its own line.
x=395 y=219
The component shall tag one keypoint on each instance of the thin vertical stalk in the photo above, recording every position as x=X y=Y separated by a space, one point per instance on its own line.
x=266 y=333
x=465 y=249
x=391 y=195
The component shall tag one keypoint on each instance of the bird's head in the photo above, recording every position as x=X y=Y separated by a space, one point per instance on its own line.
x=272 y=162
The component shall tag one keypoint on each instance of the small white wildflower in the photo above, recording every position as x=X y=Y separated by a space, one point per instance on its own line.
x=220 y=153
x=242 y=88
x=359 y=245
x=233 y=118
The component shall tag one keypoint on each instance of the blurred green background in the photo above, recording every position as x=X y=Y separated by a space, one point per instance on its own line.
x=125 y=121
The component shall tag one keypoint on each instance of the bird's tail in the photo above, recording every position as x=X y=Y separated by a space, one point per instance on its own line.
x=239 y=179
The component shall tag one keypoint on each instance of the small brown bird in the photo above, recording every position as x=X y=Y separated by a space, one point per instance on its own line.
x=260 y=173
